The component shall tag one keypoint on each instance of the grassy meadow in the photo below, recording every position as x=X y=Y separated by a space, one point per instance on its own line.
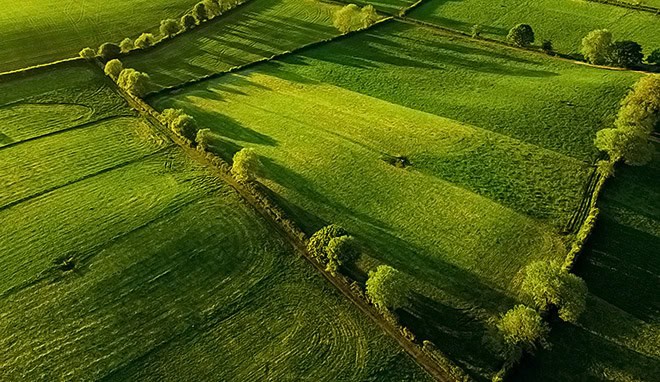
x=564 y=22
x=40 y=31
x=620 y=330
x=123 y=259
x=257 y=30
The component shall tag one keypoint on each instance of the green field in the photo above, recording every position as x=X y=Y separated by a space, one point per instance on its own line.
x=620 y=331
x=123 y=259
x=564 y=22
x=389 y=6
x=257 y=30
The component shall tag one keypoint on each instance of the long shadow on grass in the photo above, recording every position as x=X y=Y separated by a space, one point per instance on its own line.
x=228 y=127
x=430 y=10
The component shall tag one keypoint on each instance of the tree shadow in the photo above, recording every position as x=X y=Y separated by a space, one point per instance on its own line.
x=228 y=127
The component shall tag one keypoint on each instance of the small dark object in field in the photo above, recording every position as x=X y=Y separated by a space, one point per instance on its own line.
x=567 y=103
x=397 y=161
x=66 y=263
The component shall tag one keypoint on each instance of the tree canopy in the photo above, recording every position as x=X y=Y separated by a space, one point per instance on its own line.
x=388 y=288
x=113 y=69
x=145 y=40
x=318 y=243
x=108 y=51
x=521 y=35
x=134 y=82
x=596 y=46
x=522 y=329
x=126 y=45
x=626 y=54
x=169 y=27
x=351 y=18
x=246 y=165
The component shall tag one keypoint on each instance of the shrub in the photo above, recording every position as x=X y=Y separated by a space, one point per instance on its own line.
x=169 y=27
x=626 y=54
x=188 y=21
x=340 y=251
x=246 y=165
x=199 y=11
x=108 y=51
x=145 y=40
x=213 y=8
x=185 y=126
x=547 y=47
x=203 y=138
x=88 y=54
x=126 y=45
x=387 y=288
x=630 y=145
x=170 y=115
x=113 y=68
x=476 y=30
x=351 y=18
x=369 y=16
x=654 y=57
x=596 y=46
x=134 y=82
x=521 y=35
x=548 y=285
x=318 y=243
x=521 y=330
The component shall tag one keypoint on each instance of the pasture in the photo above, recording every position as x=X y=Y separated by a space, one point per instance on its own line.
x=254 y=31
x=124 y=259
x=564 y=22
x=620 y=330
x=40 y=31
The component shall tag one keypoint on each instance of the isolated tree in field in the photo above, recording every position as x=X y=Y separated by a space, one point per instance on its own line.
x=134 y=82
x=145 y=40
x=188 y=21
x=185 y=126
x=126 y=45
x=547 y=285
x=521 y=329
x=626 y=54
x=369 y=16
x=654 y=57
x=388 y=288
x=341 y=250
x=318 y=243
x=246 y=165
x=88 y=54
x=521 y=35
x=113 y=69
x=169 y=27
x=597 y=46
x=108 y=51
x=347 y=18
x=630 y=145
x=199 y=11
x=203 y=139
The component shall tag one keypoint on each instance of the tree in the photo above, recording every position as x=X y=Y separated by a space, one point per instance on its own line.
x=476 y=30
x=654 y=57
x=522 y=329
x=521 y=35
x=169 y=27
x=203 y=138
x=626 y=54
x=596 y=46
x=199 y=11
x=342 y=250
x=188 y=21
x=630 y=145
x=318 y=243
x=185 y=126
x=347 y=19
x=88 y=54
x=170 y=115
x=369 y=16
x=113 y=68
x=246 y=165
x=213 y=8
x=547 y=47
x=108 y=51
x=145 y=40
x=387 y=288
x=548 y=285
x=134 y=82
x=126 y=45
x=641 y=106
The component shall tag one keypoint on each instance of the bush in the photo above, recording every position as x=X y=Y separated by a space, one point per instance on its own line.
x=476 y=30
x=547 y=47
x=368 y=16
x=145 y=40
x=113 y=69
x=626 y=54
x=521 y=35
x=547 y=285
x=596 y=46
x=170 y=115
x=351 y=18
x=630 y=145
x=188 y=21
x=521 y=330
x=340 y=251
x=108 y=51
x=126 y=45
x=246 y=165
x=185 y=126
x=88 y=54
x=199 y=11
x=318 y=243
x=388 y=288
x=203 y=138
x=654 y=57
x=213 y=8
x=134 y=82
x=169 y=27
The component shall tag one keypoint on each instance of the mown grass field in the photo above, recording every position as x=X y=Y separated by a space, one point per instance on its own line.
x=257 y=30
x=123 y=259
x=40 y=31
x=620 y=330
x=389 y=6
x=564 y=22
x=477 y=203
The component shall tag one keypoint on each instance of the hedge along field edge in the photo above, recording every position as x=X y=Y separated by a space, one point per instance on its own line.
x=27 y=70
x=623 y=4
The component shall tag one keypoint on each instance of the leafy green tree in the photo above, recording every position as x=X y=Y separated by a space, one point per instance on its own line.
x=246 y=165
x=630 y=145
x=199 y=11
x=213 y=8
x=369 y=16
x=388 y=288
x=654 y=57
x=347 y=18
x=596 y=46
x=108 y=51
x=88 y=54
x=188 y=21
x=169 y=27
x=185 y=126
x=522 y=329
x=641 y=106
x=170 y=115
x=203 y=138
x=342 y=250
x=626 y=54
x=134 y=82
x=145 y=40
x=318 y=243
x=521 y=35
x=548 y=285
x=113 y=69
x=126 y=45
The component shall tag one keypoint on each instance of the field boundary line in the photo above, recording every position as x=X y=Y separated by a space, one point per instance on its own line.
x=25 y=70
x=623 y=4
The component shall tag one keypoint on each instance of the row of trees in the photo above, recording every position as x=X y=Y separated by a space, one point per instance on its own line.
x=334 y=247
x=351 y=18
x=638 y=117
x=599 y=48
